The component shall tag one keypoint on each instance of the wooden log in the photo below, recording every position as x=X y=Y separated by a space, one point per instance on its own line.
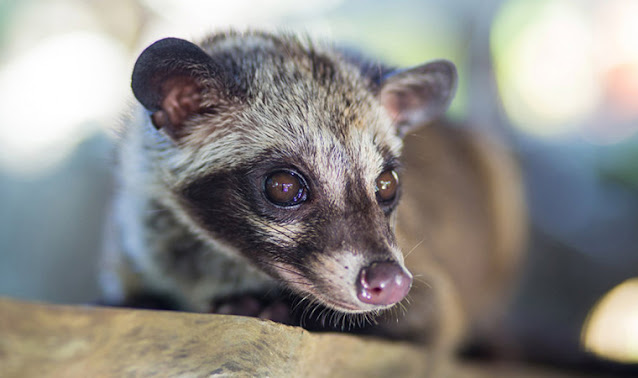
x=39 y=340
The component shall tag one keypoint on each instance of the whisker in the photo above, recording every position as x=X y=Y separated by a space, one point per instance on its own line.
x=413 y=248
x=422 y=281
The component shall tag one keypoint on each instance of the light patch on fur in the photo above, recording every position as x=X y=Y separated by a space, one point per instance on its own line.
x=279 y=234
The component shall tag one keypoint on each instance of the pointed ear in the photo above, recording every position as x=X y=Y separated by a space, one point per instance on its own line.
x=170 y=78
x=416 y=96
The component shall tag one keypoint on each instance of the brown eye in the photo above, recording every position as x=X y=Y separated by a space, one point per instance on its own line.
x=386 y=186
x=285 y=188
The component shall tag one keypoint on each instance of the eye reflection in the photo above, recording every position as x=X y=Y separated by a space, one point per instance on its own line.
x=386 y=186
x=285 y=188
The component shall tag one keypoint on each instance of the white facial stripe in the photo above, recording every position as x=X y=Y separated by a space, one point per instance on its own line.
x=279 y=234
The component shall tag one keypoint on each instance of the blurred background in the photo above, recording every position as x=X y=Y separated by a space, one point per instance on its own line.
x=557 y=80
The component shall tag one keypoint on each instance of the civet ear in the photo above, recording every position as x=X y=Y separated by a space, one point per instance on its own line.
x=415 y=96
x=170 y=79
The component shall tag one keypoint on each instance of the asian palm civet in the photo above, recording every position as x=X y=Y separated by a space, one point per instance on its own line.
x=269 y=175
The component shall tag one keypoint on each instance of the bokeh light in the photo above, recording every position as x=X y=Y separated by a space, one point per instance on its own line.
x=611 y=329
x=617 y=57
x=569 y=68
x=53 y=96
x=544 y=65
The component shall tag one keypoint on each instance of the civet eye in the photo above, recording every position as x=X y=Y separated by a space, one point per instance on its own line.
x=285 y=188
x=387 y=185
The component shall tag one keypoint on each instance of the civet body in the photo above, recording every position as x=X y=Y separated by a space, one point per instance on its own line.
x=268 y=175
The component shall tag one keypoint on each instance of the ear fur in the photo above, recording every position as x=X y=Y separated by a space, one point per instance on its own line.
x=169 y=79
x=416 y=96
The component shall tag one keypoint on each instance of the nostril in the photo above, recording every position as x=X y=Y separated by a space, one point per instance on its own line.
x=383 y=283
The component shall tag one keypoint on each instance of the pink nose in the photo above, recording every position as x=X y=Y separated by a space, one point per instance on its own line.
x=383 y=283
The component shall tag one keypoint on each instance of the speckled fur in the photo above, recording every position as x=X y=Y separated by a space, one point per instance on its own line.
x=304 y=104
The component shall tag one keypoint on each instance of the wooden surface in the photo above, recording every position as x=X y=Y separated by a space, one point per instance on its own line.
x=39 y=340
